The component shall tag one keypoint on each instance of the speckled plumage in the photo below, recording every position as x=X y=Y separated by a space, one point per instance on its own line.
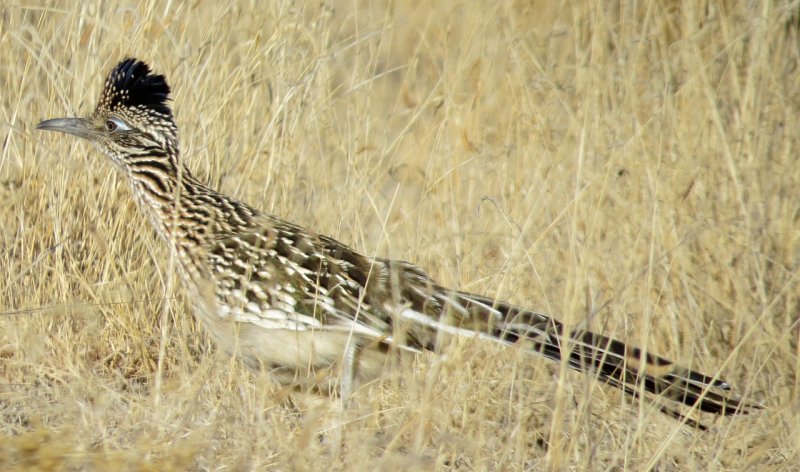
x=286 y=299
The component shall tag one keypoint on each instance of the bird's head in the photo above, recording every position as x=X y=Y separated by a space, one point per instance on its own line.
x=132 y=118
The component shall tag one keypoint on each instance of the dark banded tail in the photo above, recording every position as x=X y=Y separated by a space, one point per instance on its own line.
x=612 y=362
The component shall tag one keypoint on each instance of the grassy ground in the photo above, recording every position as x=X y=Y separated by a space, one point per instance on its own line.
x=630 y=164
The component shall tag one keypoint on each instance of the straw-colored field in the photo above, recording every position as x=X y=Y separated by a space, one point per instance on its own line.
x=631 y=166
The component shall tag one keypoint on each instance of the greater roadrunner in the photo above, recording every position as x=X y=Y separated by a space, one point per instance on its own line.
x=286 y=299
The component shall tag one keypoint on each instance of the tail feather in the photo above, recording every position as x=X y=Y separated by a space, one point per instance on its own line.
x=628 y=368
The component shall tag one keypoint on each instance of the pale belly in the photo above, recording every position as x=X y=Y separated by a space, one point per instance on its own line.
x=306 y=358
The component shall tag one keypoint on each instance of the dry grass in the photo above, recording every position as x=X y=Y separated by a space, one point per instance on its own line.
x=634 y=165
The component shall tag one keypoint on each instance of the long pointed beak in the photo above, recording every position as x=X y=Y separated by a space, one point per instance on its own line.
x=74 y=126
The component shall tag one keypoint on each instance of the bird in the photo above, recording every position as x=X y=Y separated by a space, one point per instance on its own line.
x=298 y=304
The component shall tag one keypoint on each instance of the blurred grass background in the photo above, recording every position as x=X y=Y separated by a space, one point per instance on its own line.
x=627 y=164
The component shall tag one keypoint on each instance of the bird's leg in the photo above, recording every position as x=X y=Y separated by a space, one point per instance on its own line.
x=348 y=371
x=346 y=382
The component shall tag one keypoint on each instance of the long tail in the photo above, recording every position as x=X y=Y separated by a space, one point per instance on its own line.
x=611 y=361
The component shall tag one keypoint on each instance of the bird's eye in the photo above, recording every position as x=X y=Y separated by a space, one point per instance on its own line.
x=115 y=124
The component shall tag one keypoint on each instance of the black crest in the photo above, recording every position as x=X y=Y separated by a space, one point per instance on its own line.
x=130 y=84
